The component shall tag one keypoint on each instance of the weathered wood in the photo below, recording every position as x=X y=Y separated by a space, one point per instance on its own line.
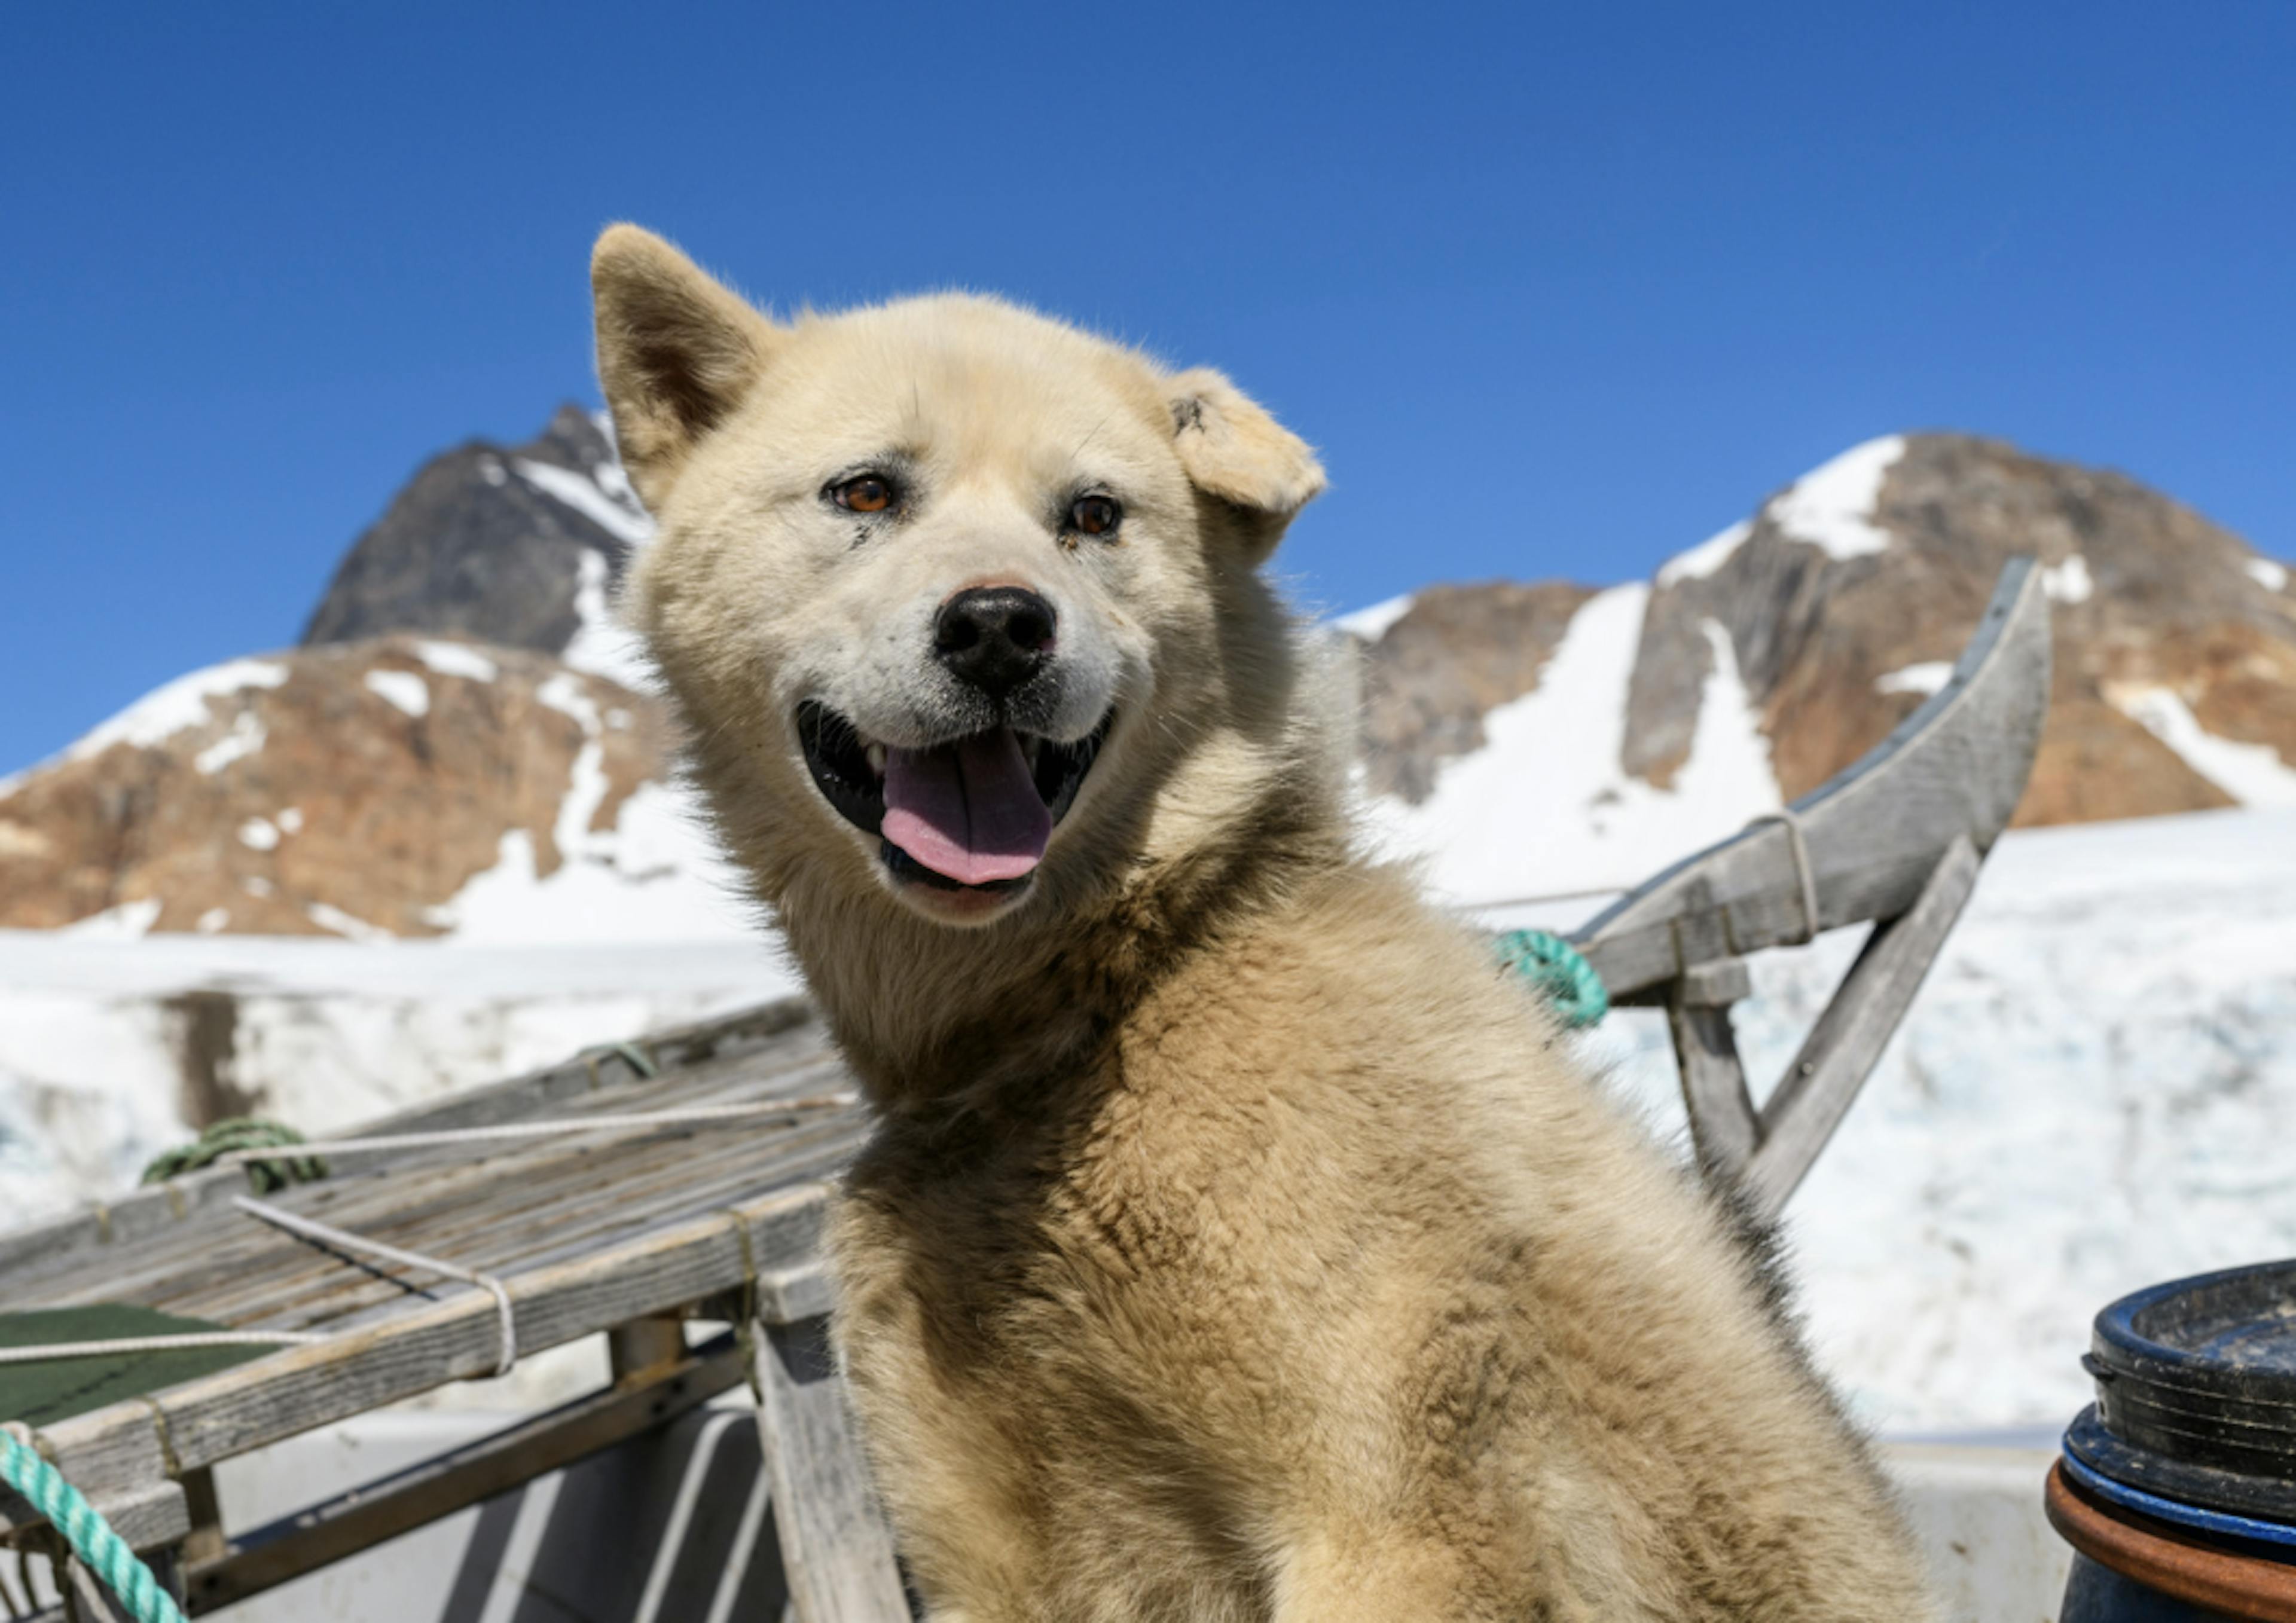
x=150 y=1514
x=637 y=1350
x=836 y=1549
x=1802 y=1112
x=251 y=1404
x=787 y=1295
x=367 y=1516
x=1706 y=1050
x=1955 y=767
x=1722 y=1127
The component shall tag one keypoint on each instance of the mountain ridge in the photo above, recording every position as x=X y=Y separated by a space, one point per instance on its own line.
x=1517 y=737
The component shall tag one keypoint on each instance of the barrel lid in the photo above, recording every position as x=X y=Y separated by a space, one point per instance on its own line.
x=2196 y=1391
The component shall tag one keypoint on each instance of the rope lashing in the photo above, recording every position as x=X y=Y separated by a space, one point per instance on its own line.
x=1558 y=971
x=100 y=1549
x=1799 y=847
x=234 y=1134
x=342 y=1239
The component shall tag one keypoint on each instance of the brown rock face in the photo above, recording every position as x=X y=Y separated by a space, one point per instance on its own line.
x=1834 y=649
x=347 y=787
x=1457 y=654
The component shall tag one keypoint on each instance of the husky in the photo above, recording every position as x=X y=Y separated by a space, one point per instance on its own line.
x=1233 y=1241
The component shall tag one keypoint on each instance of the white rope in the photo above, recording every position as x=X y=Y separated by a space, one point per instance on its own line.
x=636 y=1122
x=144 y=1344
x=327 y=1234
x=1800 y=849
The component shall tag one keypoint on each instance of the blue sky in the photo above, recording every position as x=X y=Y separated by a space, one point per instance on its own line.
x=1558 y=290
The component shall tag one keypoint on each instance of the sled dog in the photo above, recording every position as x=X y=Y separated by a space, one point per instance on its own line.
x=1233 y=1241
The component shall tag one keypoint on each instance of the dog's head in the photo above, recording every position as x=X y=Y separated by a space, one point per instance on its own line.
x=940 y=584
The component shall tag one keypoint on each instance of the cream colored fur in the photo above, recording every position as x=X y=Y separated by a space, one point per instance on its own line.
x=1233 y=1243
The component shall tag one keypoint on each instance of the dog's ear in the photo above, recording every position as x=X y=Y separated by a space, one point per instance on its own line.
x=677 y=352
x=1258 y=470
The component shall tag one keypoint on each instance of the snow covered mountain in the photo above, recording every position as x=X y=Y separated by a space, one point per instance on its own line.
x=428 y=761
x=1552 y=739
x=2095 y=1088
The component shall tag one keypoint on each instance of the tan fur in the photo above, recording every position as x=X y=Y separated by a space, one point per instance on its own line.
x=1235 y=1242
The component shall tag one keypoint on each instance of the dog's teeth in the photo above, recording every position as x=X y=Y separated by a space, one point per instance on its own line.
x=1032 y=747
x=876 y=754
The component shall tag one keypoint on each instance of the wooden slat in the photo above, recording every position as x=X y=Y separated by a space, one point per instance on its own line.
x=150 y=1515
x=836 y=1549
x=1843 y=1047
x=483 y=1192
x=1722 y=1124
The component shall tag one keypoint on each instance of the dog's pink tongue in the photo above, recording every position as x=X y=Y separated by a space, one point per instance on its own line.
x=968 y=810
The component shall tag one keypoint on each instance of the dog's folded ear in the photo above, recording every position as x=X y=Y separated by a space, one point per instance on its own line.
x=1242 y=457
x=677 y=352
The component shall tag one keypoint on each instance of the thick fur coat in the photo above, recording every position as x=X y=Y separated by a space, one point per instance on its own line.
x=1235 y=1242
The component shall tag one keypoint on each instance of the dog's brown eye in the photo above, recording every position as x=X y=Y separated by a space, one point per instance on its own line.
x=1095 y=515
x=867 y=494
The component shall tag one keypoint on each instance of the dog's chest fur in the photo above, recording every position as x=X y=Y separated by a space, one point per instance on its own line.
x=1061 y=1305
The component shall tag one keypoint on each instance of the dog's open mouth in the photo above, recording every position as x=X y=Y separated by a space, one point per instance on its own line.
x=973 y=814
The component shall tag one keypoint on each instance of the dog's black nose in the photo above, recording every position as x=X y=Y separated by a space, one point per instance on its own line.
x=995 y=637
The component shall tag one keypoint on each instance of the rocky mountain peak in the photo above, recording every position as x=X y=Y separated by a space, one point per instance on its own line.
x=1755 y=665
x=498 y=544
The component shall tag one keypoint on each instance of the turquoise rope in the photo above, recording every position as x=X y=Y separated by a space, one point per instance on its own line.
x=1560 y=972
x=100 y=1549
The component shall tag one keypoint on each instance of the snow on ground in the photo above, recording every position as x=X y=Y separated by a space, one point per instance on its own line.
x=1831 y=506
x=167 y=711
x=457 y=659
x=603 y=644
x=654 y=875
x=329 y=1033
x=402 y=689
x=2069 y=582
x=2253 y=774
x=1370 y=624
x=1544 y=805
x=2271 y=576
x=606 y=500
x=247 y=737
x=1925 y=678
x=1707 y=556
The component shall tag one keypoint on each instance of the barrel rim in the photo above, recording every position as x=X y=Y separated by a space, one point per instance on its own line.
x=2117 y=1338
x=2156 y=1557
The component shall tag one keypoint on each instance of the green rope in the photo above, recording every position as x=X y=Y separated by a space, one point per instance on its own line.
x=240 y=1133
x=1558 y=971
x=100 y=1549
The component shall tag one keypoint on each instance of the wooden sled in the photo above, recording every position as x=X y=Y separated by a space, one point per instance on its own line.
x=1896 y=839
